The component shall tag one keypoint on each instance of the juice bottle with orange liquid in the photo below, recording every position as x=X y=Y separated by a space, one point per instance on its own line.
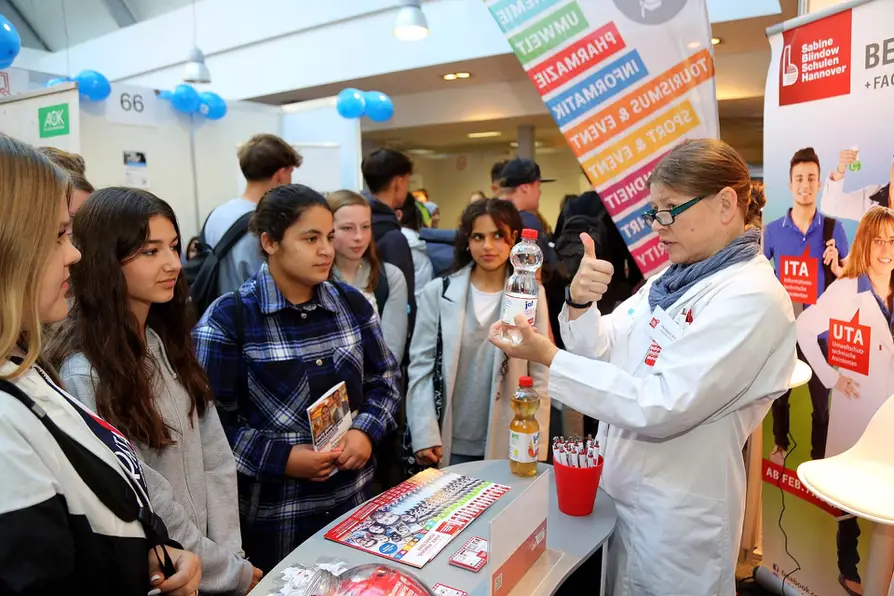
x=524 y=430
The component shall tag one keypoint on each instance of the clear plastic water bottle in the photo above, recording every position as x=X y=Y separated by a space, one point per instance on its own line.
x=522 y=288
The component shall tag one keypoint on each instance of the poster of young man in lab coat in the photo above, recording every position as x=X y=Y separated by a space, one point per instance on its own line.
x=828 y=88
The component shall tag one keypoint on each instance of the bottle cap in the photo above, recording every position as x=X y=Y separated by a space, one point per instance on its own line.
x=529 y=234
x=525 y=382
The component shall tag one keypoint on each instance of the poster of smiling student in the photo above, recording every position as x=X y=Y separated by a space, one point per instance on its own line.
x=625 y=80
x=829 y=231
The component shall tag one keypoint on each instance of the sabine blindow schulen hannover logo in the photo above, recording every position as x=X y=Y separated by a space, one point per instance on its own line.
x=816 y=60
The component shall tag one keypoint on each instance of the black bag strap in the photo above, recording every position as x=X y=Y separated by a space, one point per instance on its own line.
x=382 y=289
x=828 y=234
x=118 y=494
x=233 y=234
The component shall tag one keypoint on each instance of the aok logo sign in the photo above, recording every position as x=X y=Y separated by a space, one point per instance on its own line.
x=53 y=120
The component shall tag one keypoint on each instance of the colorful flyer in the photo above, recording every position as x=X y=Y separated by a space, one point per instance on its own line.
x=412 y=522
x=472 y=555
x=330 y=418
x=442 y=590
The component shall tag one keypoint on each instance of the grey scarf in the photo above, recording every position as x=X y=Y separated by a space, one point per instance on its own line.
x=677 y=280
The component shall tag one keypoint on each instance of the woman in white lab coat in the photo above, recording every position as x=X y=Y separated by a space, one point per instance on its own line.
x=865 y=288
x=679 y=375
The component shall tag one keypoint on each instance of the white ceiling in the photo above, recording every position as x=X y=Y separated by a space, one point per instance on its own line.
x=741 y=63
x=42 y=27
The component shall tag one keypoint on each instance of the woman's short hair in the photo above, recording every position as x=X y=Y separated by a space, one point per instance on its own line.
x=704 y=167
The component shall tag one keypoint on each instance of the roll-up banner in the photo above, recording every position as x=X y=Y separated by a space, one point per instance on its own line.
x=625 y=80
x=828 y=167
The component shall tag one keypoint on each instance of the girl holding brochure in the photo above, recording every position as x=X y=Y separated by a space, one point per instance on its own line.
x=273 y=348
x=126 y=353
x=679 y=375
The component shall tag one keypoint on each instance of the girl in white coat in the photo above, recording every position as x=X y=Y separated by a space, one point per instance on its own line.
x=865 y=288
x=474 y=381
x=679 y=375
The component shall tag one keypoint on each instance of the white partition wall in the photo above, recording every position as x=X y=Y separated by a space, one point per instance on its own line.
x=132 y=138
x=44 y=117
x=218 y=176
x=329 y=144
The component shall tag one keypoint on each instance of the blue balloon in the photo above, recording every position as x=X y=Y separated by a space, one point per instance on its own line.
x=185 y=99
x=379 y=106
x=10 y=42
x=93 y=86
x=59 y=81
x=165 y=94
x=350 y=103
x=212 y=106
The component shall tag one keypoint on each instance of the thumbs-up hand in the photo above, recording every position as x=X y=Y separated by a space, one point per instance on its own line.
x=592 y=277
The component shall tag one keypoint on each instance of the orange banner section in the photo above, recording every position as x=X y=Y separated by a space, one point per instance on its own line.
x=641 y=103
x=650 y=138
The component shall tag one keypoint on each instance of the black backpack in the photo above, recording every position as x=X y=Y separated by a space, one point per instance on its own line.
x=568 y=246
x=382 y=290
x=203 y=271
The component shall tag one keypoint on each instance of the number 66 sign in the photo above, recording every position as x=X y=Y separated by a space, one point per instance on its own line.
x=132 y=105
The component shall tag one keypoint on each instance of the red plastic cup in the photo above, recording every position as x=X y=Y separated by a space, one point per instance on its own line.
x=576 y=488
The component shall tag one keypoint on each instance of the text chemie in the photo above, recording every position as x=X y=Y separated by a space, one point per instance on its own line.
x=820 y=59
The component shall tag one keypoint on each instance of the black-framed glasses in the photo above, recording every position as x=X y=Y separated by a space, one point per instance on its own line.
x=667 y=216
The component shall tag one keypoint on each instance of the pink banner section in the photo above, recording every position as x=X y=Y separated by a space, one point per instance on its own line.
x=630 y=191
x=576 y=59
x=650 y=255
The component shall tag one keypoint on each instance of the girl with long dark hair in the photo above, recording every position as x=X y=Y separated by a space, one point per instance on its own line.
x=273 y=348
x=126 y=353
x=71 y=484
x=458 y=406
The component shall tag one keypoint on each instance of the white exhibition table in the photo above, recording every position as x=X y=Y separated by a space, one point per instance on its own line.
x=570 y=542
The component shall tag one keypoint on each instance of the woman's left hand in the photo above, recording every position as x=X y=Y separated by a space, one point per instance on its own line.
x=533 y=347
x=187 y=573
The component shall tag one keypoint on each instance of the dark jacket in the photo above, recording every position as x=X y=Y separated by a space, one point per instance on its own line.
x=392 y=247
x=440 y=245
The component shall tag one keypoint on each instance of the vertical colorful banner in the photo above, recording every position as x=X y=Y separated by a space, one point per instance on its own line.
x=625 y=80
x=828 y=167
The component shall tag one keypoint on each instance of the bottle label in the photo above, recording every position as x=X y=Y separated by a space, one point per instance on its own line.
x=514 y=304
x=524 y=447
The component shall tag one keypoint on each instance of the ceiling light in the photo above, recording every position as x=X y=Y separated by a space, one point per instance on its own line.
x=410 y=24
x=421 y=151
x=716 y=41
x=484 y=135
x=462 y=75
x=195 y=70
x=450 y=77
x=537 y=144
